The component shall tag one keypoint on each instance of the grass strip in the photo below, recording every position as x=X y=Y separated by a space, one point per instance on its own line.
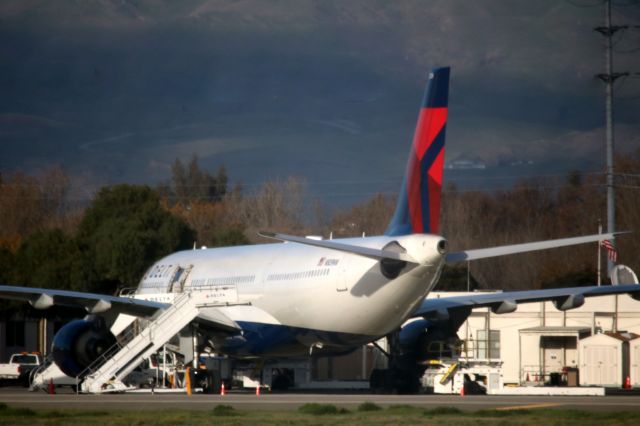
x=321 y=409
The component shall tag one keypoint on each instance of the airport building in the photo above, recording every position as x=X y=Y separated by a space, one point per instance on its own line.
x=537 y=342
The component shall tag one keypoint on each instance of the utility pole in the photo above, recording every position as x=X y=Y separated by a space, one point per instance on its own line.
x=599 y=251
x=609 y=77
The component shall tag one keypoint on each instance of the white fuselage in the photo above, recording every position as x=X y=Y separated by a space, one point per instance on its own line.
x=318 y=290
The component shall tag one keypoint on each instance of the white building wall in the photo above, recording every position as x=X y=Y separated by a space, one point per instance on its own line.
x=634 y=352
x=597 y=314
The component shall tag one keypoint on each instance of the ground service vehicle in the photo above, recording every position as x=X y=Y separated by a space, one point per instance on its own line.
x=19 y=366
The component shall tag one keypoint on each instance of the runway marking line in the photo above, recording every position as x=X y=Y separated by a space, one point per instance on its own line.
x=528 y=406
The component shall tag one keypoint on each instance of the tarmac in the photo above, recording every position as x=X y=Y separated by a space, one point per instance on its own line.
x=39 y=400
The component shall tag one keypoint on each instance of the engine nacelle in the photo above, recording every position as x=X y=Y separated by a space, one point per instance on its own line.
x=391 y=268
x=569 y=302
x=79 y=343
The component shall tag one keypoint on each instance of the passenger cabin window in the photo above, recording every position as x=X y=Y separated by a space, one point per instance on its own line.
x=298 y=275
x=218 y=281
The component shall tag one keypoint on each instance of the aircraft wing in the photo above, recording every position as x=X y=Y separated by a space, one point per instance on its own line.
x=445 y=308
x=93 y=303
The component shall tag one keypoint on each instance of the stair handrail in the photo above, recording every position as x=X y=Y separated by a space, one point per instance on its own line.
x=46 y=362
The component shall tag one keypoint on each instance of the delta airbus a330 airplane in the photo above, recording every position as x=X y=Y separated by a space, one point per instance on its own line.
x=304 y=296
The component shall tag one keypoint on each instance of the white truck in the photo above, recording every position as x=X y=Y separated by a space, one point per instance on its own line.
x=19 y=367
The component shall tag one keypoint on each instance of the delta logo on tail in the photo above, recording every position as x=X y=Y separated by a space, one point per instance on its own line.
x=418 y=209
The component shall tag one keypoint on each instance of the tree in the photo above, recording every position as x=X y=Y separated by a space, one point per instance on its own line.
x=20 y=207
x=7 y=261
x=124 y=231
x=7 y=276
x=190 y=183
x=370 y=217
x=212 y=223
x=30 y=204
x=49 y=259
x=230 y=237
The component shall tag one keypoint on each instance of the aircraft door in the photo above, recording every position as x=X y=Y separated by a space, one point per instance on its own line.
x=341 y=272
x=179 y=278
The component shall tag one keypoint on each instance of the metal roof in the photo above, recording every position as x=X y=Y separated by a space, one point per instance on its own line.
x=557 y=331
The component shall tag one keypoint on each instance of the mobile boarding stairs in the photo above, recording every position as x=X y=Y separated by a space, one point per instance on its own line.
x=106 y=373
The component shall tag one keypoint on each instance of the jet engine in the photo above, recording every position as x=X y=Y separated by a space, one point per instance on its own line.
x=79 y=343
x=391 y=268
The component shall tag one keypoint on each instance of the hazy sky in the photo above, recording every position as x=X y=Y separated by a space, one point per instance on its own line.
x=326 y=90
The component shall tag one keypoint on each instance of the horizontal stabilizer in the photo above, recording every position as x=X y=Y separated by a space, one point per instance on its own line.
x=460 y=256
x=347 y=248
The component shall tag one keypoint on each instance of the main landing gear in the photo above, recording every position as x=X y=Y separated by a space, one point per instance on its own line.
x=403 y=373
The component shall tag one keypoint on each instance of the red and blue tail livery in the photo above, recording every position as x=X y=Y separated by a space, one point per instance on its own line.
x=418 y=209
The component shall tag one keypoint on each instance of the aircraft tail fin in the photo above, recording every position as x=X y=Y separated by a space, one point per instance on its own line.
x=418 y=208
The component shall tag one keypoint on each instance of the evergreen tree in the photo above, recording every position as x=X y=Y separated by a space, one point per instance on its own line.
x=191 y=184
x=48 y=259
x=123 y=232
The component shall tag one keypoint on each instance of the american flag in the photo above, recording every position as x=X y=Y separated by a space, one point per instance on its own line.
x=611 y=250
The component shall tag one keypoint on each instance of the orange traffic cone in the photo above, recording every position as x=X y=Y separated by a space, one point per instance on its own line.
x=222 y=389
x=462 y=390
x=187 y=380
x=258 y=390
x=627 y=383
x=51 y=389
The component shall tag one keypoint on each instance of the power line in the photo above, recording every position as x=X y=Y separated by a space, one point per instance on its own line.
x=584 y=5
x=629 y=4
